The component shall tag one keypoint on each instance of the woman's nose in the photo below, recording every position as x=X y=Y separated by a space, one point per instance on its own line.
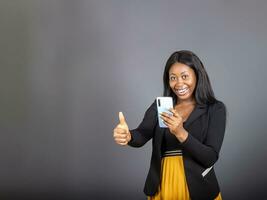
x=179 y=81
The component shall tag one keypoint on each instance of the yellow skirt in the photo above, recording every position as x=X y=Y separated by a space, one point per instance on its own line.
x=173 y=183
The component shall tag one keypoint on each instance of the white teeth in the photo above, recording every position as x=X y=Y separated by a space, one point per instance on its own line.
x=182 y=91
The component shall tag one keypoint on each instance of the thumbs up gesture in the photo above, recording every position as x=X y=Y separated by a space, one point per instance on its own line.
x=121 y=132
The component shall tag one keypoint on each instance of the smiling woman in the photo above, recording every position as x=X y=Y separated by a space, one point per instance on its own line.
x=185 y=152
x=192 y=72
x=182 y=81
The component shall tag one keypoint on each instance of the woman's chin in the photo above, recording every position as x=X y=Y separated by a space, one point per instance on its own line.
x=184 y=97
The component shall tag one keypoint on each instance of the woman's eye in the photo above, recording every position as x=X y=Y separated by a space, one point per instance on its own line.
x=184 y=76
x=172 y=78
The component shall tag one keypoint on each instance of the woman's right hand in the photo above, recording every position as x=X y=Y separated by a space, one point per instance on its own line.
x=121 y=132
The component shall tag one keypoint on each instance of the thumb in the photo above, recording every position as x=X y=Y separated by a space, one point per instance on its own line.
x=121 y=118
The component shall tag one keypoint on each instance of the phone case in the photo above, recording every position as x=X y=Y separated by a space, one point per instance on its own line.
x=163 y=105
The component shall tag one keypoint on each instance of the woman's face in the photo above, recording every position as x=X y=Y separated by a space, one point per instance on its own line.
x=182 y=80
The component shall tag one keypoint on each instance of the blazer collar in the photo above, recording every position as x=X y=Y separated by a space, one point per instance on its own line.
x=196 y=113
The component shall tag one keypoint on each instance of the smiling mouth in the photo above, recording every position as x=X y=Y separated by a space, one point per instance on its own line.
x=182 y=91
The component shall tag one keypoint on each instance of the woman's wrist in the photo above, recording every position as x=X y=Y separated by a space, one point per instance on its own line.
x=181 y=135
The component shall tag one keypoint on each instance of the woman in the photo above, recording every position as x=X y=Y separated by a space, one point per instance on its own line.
x=183 y=155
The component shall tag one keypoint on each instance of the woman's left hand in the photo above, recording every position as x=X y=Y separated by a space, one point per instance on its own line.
x=175 y=124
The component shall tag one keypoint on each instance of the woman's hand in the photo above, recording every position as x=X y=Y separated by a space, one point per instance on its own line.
x=121 y=132
x=175 y=124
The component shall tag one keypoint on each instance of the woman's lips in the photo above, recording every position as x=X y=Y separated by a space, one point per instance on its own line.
x=182 y=91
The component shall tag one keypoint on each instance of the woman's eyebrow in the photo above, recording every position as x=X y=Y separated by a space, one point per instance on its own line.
x=184 y=72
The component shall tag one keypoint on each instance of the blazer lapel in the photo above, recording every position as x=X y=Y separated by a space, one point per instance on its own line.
x=196 y=113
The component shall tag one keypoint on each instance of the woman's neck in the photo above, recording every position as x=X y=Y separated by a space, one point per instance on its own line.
x=186 y=102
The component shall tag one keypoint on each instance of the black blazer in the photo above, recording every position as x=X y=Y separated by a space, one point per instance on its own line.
x=206 y=127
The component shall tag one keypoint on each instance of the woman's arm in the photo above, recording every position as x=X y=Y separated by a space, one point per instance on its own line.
x=207 y=153
x=145 y=130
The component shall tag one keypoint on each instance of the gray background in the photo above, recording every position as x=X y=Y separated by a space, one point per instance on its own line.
x=68 y=67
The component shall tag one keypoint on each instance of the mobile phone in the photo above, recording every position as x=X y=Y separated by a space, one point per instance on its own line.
x=164 y=104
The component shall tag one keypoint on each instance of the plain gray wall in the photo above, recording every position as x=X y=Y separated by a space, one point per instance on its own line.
x=68 y=68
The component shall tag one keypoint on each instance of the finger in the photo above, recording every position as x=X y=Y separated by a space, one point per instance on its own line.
x=166 y=121
x=123 y=143
x=167 y=124
x=120 y=140
x=167 y=115
x=122 y=126
x=122 y=118
x=120 y=130
x=118 y=135
x=170 y=122
x=174 y=112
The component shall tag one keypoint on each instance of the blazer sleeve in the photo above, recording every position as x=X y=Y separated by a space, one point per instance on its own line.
x=207 y=153
x=145 y=130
